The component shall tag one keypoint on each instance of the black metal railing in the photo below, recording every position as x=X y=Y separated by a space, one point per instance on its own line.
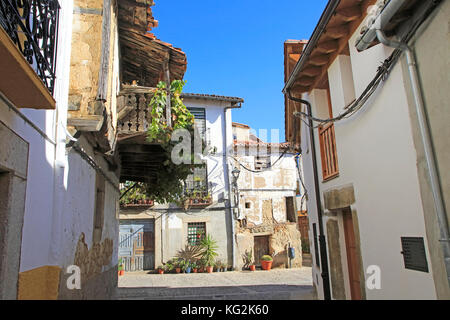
x=196 y=188
x=33 y=27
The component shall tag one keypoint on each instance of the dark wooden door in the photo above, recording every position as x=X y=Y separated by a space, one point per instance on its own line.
x=352 y=256
x=261 y=248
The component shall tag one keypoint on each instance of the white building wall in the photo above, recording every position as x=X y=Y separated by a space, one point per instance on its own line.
x=376 y=154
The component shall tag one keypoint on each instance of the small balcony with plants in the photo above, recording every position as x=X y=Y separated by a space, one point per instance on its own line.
x=133 y=194
x=196 y=193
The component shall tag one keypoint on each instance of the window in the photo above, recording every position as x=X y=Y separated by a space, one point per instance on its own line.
x=196 y=232
x=328 y=150
x=198 y=181
x=99 y=208
x=290 y=210
x=262 y=162
x=248 y=205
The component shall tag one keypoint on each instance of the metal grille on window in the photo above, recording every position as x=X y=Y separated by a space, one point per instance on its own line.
x=196 y=232
x=198 y=181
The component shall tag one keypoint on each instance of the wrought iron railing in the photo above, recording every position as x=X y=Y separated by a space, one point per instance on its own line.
x=33 y=27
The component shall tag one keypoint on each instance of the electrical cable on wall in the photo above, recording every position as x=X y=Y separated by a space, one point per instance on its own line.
x=356 y=105
x=264 y=170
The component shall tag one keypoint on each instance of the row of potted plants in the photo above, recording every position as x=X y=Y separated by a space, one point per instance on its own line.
x=266 y=261
x=196 y=258
x=177 y=265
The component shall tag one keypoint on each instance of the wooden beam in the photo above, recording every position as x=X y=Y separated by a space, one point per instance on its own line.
x=305 y=81
x=311 y=71
x=327 y=47
x=90 y=123
x=337 y=32
x=127 y=89
x=296 y=88
x=318 y=60
x=168 y=106
x=139 y=148
x=349 y=14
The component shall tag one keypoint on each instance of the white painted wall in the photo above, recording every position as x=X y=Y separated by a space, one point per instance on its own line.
x=60 y=193
x=376 y=154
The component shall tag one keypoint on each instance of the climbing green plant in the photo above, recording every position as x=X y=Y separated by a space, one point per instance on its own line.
x=169 y=186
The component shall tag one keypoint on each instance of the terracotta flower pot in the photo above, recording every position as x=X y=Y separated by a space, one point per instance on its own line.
x=194 y=270
x=177 y=270
x=266 y=265
x=209 y=269
x=121 y=272
x=252 y=267
x=161 y=271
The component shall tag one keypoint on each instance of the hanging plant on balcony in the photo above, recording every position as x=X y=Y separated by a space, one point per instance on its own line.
x=168 y=187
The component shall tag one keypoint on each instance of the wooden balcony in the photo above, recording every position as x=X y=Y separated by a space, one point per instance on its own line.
x=134 y=114
x=140 y=159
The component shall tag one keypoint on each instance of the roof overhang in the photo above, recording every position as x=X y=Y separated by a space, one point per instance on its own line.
x=232 y=100
x=144 y=57
x=330 y=38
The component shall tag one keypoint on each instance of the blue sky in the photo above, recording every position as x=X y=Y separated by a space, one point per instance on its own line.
x=235 y=48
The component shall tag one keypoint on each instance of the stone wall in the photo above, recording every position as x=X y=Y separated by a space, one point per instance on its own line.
x=85 y=56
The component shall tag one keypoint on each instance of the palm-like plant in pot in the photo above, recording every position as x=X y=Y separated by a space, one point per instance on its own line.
x=248 y=260
x=209 y=246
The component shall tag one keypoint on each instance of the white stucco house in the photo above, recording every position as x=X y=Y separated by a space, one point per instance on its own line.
x=378 y=195
x=267 y=222
x=168 y=227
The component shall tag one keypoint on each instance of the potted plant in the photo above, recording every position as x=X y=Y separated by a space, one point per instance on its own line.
x=186 y=266
x=169 y=266
x=201 y=265
x=209 y=246
x=178 y=264
x=194 y=267
x=266 y=262
x=121 y=268
x=248 y=260
x=161 y=270
x=219 y=266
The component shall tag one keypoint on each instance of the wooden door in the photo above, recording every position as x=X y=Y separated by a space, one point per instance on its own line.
x=137 y=244
x=352 y=256
x=261 y=248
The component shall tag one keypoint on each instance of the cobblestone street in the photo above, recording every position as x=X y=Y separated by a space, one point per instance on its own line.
x=281 y=284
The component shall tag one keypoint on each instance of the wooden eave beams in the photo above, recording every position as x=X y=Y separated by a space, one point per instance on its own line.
x=337 y=32
x=327 y=47
x=333 y=42
x=349 y=14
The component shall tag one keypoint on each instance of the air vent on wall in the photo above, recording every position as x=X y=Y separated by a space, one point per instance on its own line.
x=414 y=256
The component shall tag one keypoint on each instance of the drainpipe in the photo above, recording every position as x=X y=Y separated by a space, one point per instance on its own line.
x=227 y=181
x=425 y=133
x=322 y=243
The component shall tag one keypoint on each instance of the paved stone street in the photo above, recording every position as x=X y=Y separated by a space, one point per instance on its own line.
x=278 y=284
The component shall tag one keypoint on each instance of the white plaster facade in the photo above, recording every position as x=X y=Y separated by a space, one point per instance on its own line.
x=377 y=156
x=60 y=185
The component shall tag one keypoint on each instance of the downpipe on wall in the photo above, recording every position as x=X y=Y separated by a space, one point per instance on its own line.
x=425 y=134
x=322 y=243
